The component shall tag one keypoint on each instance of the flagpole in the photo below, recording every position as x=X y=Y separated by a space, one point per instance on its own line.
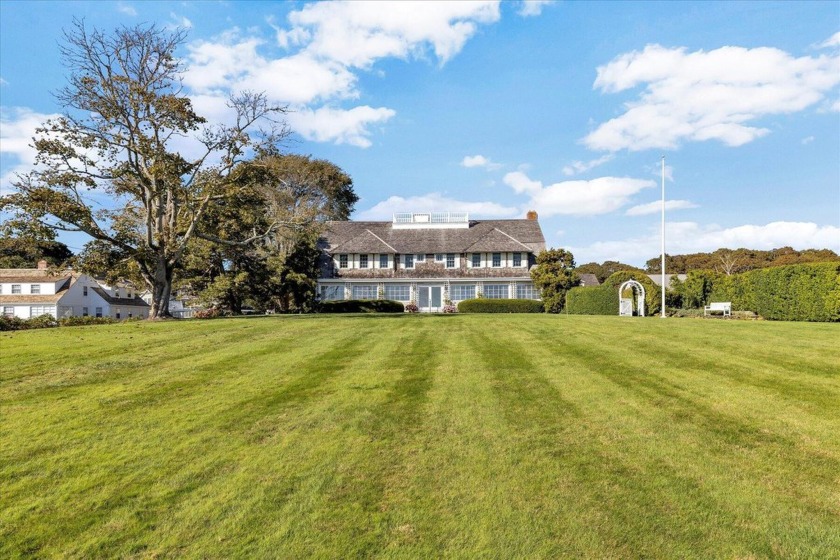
x=663 y=237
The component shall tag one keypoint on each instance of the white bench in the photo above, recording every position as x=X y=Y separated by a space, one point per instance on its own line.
x=724 y=307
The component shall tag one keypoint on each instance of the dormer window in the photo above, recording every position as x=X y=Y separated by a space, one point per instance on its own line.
x=409 y=261
x=497 y=259
x=342 y=261
x=421 y=257
x=517 y=259
x=15 y=288
x=476 y=260
x=438 y=257
x=383 y=261
x=450 y=260
x=363 y=261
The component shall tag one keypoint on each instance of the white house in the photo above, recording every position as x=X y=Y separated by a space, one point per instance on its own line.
x=31 y=292
x=429 y=258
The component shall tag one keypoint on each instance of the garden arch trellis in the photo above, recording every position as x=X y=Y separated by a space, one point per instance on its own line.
x=625 y=305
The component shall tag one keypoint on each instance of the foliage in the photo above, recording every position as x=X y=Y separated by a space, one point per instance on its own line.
x=25 y=252
x=84 y=321
x=486 y=305
x=209 y=313
x=411 y=307
x=595 y=300
x=450 y=308
x=605 y=270
x=729 y=261
x=553 y=275
x=362 y=306
x=653 y=294
x=803 y=292
x=122 y=138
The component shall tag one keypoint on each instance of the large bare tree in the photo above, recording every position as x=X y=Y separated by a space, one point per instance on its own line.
x=110 y=165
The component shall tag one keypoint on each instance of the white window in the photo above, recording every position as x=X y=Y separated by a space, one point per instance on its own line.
x=15 y=288
x=450 y=260
x=438 y=257
x=398 y=292
x=497 y=259
x=460 y=292
x=476 y=260
x=8 y=312
x=496 y=291
x=526 y=290
x=383 y=261
x=421 y=257
x=332 y=293
x=99 y=312
x=35 y=288
x=84 y=311
x=363 y=261
x=409 y=261
x=38 y=310
x=364 y=291
x=84 y=290
x=517 y=259
x=342 y=261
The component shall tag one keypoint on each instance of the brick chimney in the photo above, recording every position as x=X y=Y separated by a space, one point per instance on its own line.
x=42 y=265
x=531 y=215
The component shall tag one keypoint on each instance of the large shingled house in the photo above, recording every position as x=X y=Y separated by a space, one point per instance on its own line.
x=429 y=258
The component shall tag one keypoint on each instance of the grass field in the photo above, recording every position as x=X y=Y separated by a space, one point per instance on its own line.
x=421 y=437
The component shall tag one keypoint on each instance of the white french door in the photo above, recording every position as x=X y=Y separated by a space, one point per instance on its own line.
x=429 y=298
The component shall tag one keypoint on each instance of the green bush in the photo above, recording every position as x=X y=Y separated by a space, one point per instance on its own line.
x=653 y=293
x=82 y=321
x=484 y=305
x=11 y=323
x=18 y=324
x=362 y=306
x=595 y=300
x=799 y=292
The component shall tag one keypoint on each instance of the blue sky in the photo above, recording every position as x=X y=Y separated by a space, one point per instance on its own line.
x=565 y=108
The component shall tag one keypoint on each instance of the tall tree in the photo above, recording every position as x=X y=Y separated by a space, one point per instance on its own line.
x=25 y=252
x=109 y=167
x=554 y=275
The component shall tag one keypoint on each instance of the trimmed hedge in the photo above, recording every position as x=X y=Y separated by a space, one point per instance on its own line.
x=485 y=305
x=48 y=321
x=595 y=300
x=799 y=292
x=362 y=306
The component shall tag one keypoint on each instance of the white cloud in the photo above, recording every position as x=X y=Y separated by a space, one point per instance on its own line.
x=691 y=237
x=480 y=161
x=340 y=126
x=17 y=127
x=833 y=41
x=715 y=95
x=532 y=7
x=3 y=82
x=126 y=9
x=582 y=166
x=358 y=33
x=179 y=21
x=435 y=202
x=807 y=140
x=578 y=198
x=656 y=206
x=329 y=43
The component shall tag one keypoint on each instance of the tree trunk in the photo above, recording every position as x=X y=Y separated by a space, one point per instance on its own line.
x=161 y=291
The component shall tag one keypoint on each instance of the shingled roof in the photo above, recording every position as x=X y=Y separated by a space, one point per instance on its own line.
x=481 y=236
x=111 y=300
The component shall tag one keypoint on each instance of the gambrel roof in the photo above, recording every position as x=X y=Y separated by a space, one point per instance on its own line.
x=482 y=236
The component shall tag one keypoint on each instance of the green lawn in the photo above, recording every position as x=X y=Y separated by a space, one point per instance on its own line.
x=495 y=436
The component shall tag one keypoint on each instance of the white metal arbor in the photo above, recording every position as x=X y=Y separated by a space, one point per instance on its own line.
x=625 y=305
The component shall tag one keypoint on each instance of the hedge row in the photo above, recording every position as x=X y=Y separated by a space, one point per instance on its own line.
x=800 y=292
x=362 y=306
x=48 y=321
x=596 y=300
x=485 y=305
x=603 y=299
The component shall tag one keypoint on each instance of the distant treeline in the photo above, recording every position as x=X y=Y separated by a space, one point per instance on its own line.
x=724 y=261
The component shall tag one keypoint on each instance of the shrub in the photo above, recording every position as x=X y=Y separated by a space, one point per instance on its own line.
x=10 y=323
x=362 y=306
x=412 y=307
x=41 y=322
x=209 y=313
x=484 y=305
x=596 y=300
x=81 y=321
x=449 y=308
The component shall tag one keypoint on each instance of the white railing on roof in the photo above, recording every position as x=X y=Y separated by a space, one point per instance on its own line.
x=431 y=217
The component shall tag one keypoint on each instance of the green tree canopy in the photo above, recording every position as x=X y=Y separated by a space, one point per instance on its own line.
x=554 y=275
